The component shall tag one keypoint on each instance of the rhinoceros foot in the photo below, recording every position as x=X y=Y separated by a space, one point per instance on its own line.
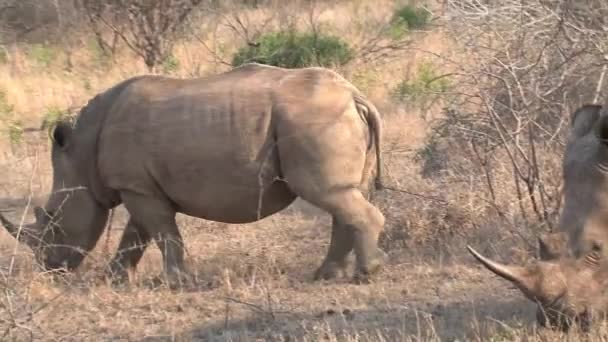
x=363 y=275
x=330 y=270
x=178 y=280
x=116 y=275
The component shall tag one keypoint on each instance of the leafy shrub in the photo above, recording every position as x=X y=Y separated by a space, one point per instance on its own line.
x=170 y=64
x=291 y=49
x=407 y=18
x=5 y=107
x=86 y=84
x=42 y=54
x=52 y=115
x=424 y=87
x=3 y=56
x=99 y=56
x=13 y=127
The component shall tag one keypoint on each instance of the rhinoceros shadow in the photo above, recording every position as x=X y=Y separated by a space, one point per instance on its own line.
x=456 y=321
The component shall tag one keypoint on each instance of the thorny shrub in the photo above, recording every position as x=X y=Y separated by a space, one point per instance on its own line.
x=528 y=66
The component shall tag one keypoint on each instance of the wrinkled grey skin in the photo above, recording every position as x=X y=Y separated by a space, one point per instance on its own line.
x=234 y=147
x=570 y=280
x=584 y=219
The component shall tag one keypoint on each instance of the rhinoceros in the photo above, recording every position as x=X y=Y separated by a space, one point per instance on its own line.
x=234 y=147
x=569 y=282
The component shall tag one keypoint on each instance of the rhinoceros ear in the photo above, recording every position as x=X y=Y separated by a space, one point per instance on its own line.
x=594 y=257
x=61 y=134
x=583 y=118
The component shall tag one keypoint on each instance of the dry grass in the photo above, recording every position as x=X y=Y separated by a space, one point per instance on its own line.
x=254 y=281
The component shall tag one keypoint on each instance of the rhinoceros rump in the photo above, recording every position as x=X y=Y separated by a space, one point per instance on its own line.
x=570 y=281
x=234 y=147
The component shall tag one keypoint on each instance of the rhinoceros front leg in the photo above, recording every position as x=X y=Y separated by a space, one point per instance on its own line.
x=157 y=218
x=340 y=246
x=130 y=250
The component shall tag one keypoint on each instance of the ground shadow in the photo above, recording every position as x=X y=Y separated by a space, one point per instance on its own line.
x=15 y=206
x=480 y=319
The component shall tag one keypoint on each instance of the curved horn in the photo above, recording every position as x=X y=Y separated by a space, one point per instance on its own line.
x=10 y=227
x=520 y=276
x=24 y=235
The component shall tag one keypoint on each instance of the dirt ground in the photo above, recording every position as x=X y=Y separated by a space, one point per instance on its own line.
x=254 y=283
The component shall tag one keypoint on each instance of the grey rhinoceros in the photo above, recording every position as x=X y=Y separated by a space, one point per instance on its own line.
x=570 y=281
x=234 y=147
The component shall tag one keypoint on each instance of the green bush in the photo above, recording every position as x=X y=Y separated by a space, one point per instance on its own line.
x=424 y=87
x=13 y=127
x=408 y=18
x=3 y=56
x=170 y=64
x=42 y=54
x=52 y=115
x=86 y=84
x=98 y=55
x=5 y=107
x=291 y=49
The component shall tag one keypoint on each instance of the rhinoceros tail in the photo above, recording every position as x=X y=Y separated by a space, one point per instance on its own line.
x=374 y=120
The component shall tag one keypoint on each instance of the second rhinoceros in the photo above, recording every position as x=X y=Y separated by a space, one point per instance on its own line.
x=570 y=281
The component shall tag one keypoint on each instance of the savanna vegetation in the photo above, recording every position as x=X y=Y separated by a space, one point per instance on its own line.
x=476 y=98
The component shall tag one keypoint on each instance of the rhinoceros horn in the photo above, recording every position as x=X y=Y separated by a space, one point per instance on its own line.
x=25 y=235
x=522 y=277
x=10 y=227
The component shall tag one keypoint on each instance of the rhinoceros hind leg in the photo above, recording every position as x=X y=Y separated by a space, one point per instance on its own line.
x=340 y=246
x=360 y=225
x=130 y=250
x=157 y=217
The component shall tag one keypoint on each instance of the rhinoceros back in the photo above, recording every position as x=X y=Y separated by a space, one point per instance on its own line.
x=200 y=142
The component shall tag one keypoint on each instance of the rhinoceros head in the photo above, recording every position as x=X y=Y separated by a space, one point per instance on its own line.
x=567 y=291
x=568 y=281
x=72 y=221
